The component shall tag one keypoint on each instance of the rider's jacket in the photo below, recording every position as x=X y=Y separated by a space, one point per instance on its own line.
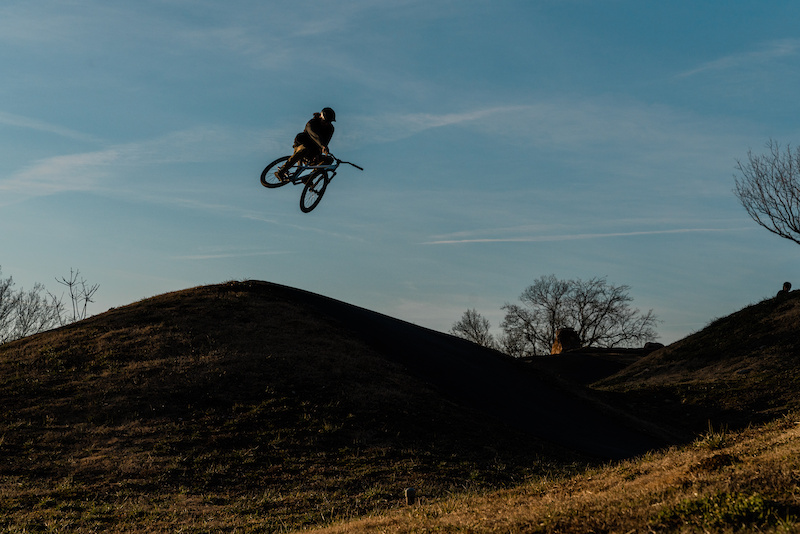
x=317 y=134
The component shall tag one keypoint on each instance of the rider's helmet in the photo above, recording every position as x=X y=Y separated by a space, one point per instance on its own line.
x=329 y=114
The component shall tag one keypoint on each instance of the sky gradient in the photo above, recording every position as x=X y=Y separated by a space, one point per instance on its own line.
x=501 y=141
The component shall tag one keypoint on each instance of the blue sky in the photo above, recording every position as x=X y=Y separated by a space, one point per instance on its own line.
x=501 y=141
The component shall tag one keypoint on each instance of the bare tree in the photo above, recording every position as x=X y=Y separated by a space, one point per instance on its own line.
x=768 y=186
x=474 y=327
x=80 y=294
x=23 y=313
x=8 y=303
x=514 y=343
x=599 y=312
x=36 y=311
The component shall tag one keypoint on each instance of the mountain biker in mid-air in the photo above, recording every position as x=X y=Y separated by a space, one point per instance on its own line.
x=312 y=143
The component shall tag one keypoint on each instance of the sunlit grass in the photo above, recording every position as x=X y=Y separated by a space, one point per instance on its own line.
x=679 y=490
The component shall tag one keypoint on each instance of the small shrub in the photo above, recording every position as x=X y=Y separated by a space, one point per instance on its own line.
x=713 y=439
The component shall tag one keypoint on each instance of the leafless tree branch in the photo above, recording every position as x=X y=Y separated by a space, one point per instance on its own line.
x=79 y=292
x=768 y=187
x=599 y=312
x=474 y=327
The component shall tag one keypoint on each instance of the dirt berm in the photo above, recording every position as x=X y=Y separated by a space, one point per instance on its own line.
x=484 y=379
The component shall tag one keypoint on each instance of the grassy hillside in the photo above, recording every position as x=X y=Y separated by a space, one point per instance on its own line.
x=252 y=407
x=258 y=407
x=740 y=370
x=721 y=483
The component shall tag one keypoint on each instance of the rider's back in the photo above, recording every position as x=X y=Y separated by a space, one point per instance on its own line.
x=317 y=134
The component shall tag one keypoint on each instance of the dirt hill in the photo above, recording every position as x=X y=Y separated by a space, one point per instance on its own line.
x=255 y=407
x=722 y=483
x=253 y=402
x=741 y=369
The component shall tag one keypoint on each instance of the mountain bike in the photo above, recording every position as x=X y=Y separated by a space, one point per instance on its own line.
x=315 y=178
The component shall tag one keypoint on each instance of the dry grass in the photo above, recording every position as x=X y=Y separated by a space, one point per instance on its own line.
x=751 y=484
x=242 y=408
x=228 y=408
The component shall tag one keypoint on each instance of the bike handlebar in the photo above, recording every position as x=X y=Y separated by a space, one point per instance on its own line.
x=342 y=161
x=354 y=165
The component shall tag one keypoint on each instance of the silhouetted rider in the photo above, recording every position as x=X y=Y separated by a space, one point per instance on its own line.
x=783 y=293
x=311 y=144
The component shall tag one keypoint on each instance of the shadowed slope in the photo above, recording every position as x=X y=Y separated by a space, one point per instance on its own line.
x=501 y=386
x=275 y=405
x=740 y=369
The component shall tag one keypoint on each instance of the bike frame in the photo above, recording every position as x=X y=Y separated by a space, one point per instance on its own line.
x=302 y=171
x=314 y=178
x=300 y=174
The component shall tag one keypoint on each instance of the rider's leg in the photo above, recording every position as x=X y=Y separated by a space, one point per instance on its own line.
x=319 y=159
x=299 y=153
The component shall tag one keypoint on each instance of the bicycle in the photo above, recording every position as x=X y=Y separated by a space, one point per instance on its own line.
x=314 y=177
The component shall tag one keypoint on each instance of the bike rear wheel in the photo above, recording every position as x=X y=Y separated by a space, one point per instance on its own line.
x=268 y=178
x=313 y=191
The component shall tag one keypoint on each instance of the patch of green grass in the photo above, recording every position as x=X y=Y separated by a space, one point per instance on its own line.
x=719 y=511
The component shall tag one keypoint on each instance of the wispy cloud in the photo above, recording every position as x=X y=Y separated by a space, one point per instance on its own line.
x=76 y=172
x=25 y=23
x=305 y=228
x=104 y=169
x=575 y=237
x=617 y=135
x=29 y=123
x=394 y=126
x=241 y=32
x=225 y=255
x=553 y=123
x=766 y=53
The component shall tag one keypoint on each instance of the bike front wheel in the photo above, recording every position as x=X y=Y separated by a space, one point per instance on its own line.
x=313 y=191
x=268 y=178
